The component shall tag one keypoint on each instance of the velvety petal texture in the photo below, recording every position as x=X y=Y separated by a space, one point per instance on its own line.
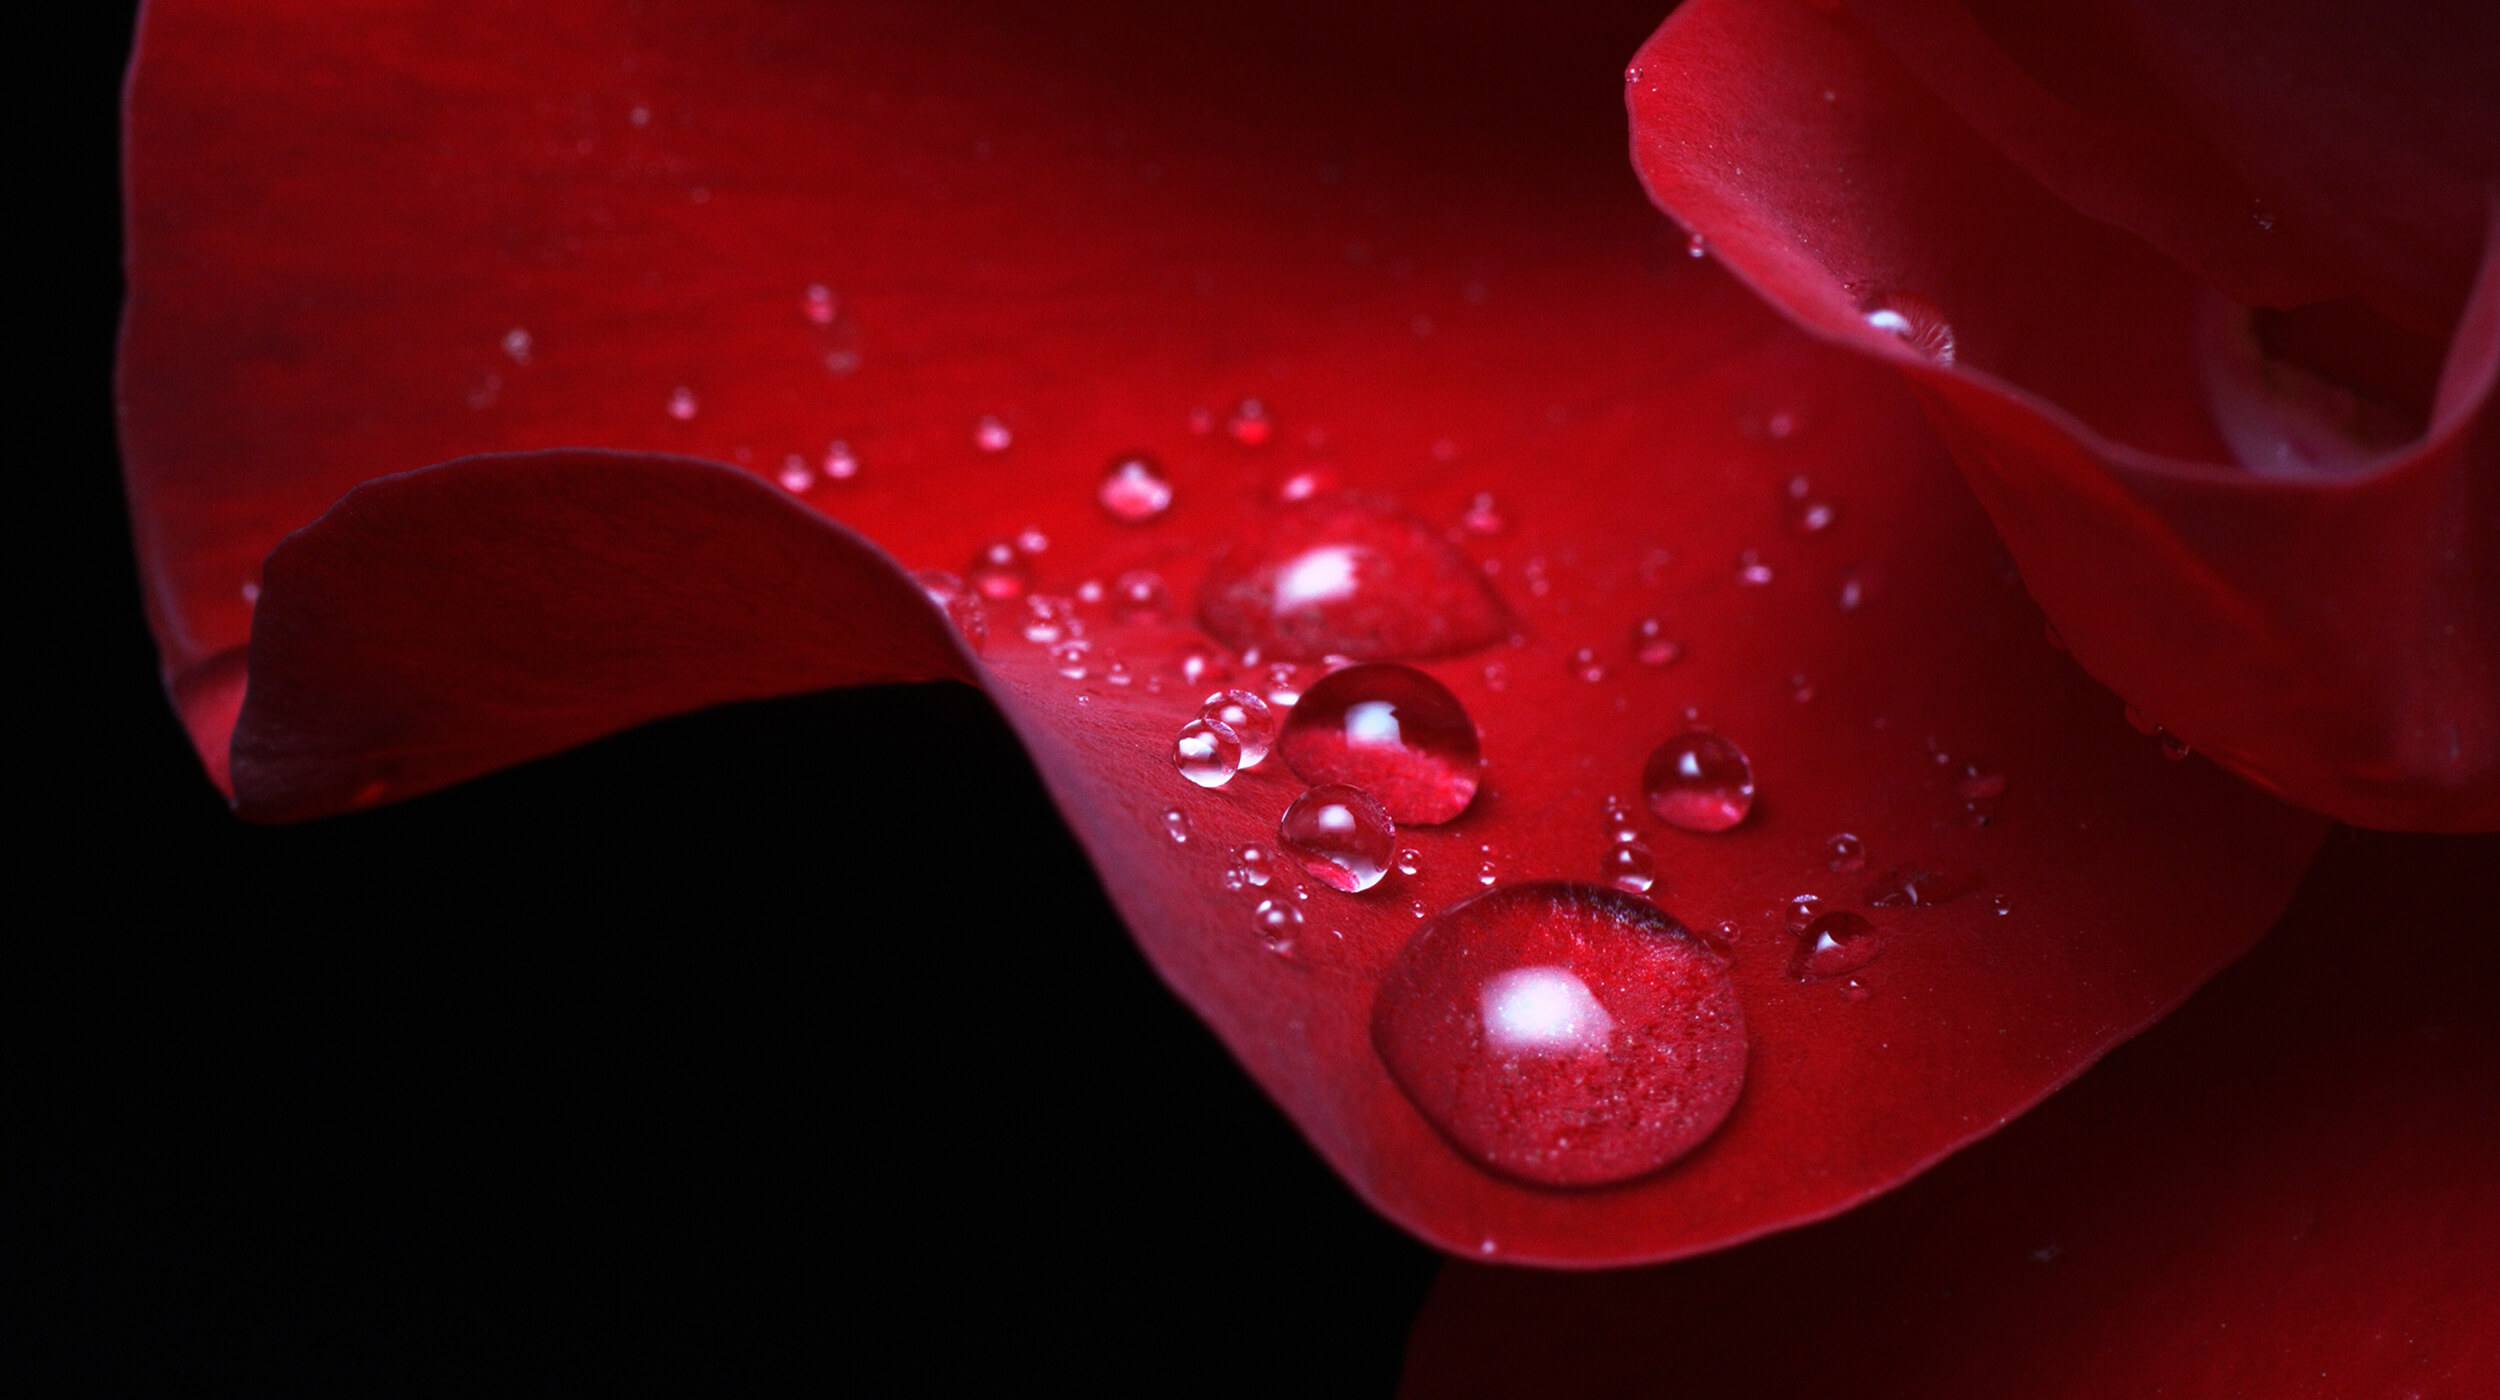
x=2205 y=302
x=431 y=311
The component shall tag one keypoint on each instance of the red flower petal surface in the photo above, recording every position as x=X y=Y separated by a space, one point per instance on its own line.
x=2283 y=1190
x=1044 y=245
x=2055 y=184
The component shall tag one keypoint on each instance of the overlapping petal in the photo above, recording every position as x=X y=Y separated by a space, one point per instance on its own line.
x=985 y=251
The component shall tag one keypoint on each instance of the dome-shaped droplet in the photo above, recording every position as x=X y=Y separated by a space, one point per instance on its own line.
x=1651 y=645
x=1914 y=321
x=1206 y=753
x=1629 y=866
x=1835 y=944
x=1346 y=576
x=1563 y=1034
x=1254 y=865
x=992 y=434
x=1000 y=571
x=1845 y=853
x=1141 y=593
x=1134 y=489
x=682 y=404
x=841 y=463
x=1276 y=922
x=1339 y=835
x=961 y=605
x=1176 y=825
x=1249 y=423
x=1699 y=781
x=1802 y=910
x=1248 y=717
x=1392 y=731
x=817 y=304
x=796 y=475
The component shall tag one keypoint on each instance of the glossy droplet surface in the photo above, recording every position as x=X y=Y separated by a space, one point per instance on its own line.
x=817 y=304
x=961 y=605
x=1000 y=572
x=1249 y=423
x=991 y=434
x=1845 y=853
x=1563 y=1034
x=841 y=463
x=1206 y=753
x=1176 y=825
x=1276 y=921
x=1651 y=646
x=1699 y=781
x=682 y=404
x=1339 y=835
x=1914 y=321
x=1134 y=489
x=1835 y=944
x=1349 y=577
x=1392 y=731
x=1629 y=866
x=1248 y=717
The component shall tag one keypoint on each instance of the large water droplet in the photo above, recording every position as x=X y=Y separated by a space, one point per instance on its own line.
x=1563 y=1034
x=1340 y=835
x=1352 y=577
x=1699 y=781
x=1248 y=717
x=1206 y=753
x=1914 y=321
x=1835 y=944
x=1134 y=489
x=1392 y=731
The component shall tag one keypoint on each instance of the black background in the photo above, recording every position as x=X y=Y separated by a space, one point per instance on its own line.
x=792 y=1042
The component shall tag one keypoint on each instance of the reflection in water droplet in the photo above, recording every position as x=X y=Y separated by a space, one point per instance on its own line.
x=1049 y=619
x=1496 y=676
x=961 y=606
x=990 y=434
x=1254 y=865
x=1482 y=517
x=1073 y=659
x=2000 y=906
x=1630 y=866
x=1695 y=246
x=1409 y=860
x=1699 y=781
x=1835 y=944
x=1980 y=788
x=816 y=303
x=1802 y=910
x=1914 y=321
x=516 y=343
x=841 y=463
x=1561 y=1033
x=1199 y=663
x=1141 y=594
x=1339 y=835
x=795 y=476
x=682 y=405
x=1392 y=731
x=1853 y=586
x=1134 y=489
x=2172 y=746
x=1000 y=572
x=1751 y=571
x=1283 y=683
x=1854 y=990
x=1276 y=921
x=1206 y=753
x=1651 y=646
x=1846 y=853
x=1345 y=576
x=1248 y=717
x=1176 y=825
x=1250 y=424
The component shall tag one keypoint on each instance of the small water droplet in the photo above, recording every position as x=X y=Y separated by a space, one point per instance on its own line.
x=1914 y=321
x=516 y=343
x=1197 y=663
x=1346 y=576
x=1049 y=619
x=1253 y=866
x=2261 y=216
x=991 y=434
x=1802 y=910
x=1487 y=872
x=1308 y=484
x=1631 y=75
x=1206 y=753
x=1695 y=246
x=1845 y=853
x=1482 y=517
x=1392 y=731
x=1651 y=646
x=1562 y=1033
x=1176 y=825
x=1833 y=945
x=640 y=115
x=1283 y=683
x=1751 y=571
x=2172 y=746
x=1249 y=424
x=251 y=592
x=1853 y=588
x=1699 y=781
x=1496 y=676
x=1854 y=990
x=1813 y=517
x=841 y=463
x=1629 y=866
x=817 y=304
x=961 y=606
x=1980 y=788
x=1072 y=659
x=1117 y=672
x=1141 y=595
x=1031 y=540
x=1409 y=860
x=1276 y=922
x=1134 y=489
x=2000 y=906
x=795 y=475
x=682 y=405
x=1727 y=931
x=1915 y=887
x=1339 y=835
x=1253 y=723
x=1585 y=665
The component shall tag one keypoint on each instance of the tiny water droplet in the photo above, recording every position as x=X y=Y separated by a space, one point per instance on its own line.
x=1629 y=866
x=841 y=463
x=1276 y=922
x=1000 y=572
x=1699 y=781
x=1198 y=663
x=2172 y=746
x=1695 y=246
x=1206 y=753
x=1563 y=1034
x=1914 y=321
x=1813 y=517
x=1049 y=619
x=1392 y=731
x=1307 y=484
x=516 y=343
x=2000 y=906
x=795 y=475
x=1201 y=421
x=1631 y=75
x=1254 y=865
x=1854 y=990
x=1117 y=672
x=1249 y=424
x=1585 y=665
x=1072 y=659
x=1140 y=594
x=1980 y=787
x=2261 y=216
x=1248 y=716
x=1339 y=835
x=991 y=434
x=1845 y=853
x=251 y=592
x=1409 y=860
x=1176 y=825
x=1728 y=931
x=1651 y=646
x=640 y=115
x=1833 y=945
x=682 y=405
x=816 y=303
x=1482 y=517
x=1853 y=586
x=1496 y=676
x=1486 y=871
x=1751 y=571
x=1283 y=682
x=1134 y=489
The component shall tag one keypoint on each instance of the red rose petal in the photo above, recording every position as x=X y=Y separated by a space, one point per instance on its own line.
x=2283 y=1190
x=1046 y=246
x=2334 y=638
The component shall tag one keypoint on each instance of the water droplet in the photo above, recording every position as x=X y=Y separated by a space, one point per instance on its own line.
x=1276 y=921
x=1751 y=571
x=2172 y=746
x=816 y=303
x=1727 y=931
x=1833 y=945
x=1853 y=588
x=1410 y=860
x=1176 y=825
x=1854 y=990
x=841 y=463
x=1846 y=853
x=682 y=405
x=1814 y=517
x=1117 y=671
x=251 y=592
x=1651 y=646
x=1914 y=321
x=1049 y=619
x=1000 y=572
x=1802 y=910
x=1392 y=731
x=795 y=475
x=1695 y=246
x=1074 y=660
x=1482 y=517
x=1350 y=577
x=1198 y=663
x=1250 y=719
x=1250 y=424
x=1031 y=540
x=1283 y=683
x=1629 y=866
x=1631 y=75
x=1339 y=835
x=1134 y=489
x=516 y=343
x=991 y=435
x=1585 y=665
x=1201 y=421
x=961 y=606
x=2000 y=906
x=640 y=115
x=1496 y=676
x=1206 y=753
x=1308 y=484
x=1487 y=872
x=2261 y=216
x=1140 y=594
x=1699 y=781
x=1564 y=1034
x=1980 y=787
x=1915 y=887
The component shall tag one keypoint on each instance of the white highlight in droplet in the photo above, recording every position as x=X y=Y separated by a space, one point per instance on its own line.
x=1543 y=1009
x=1322 y=575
